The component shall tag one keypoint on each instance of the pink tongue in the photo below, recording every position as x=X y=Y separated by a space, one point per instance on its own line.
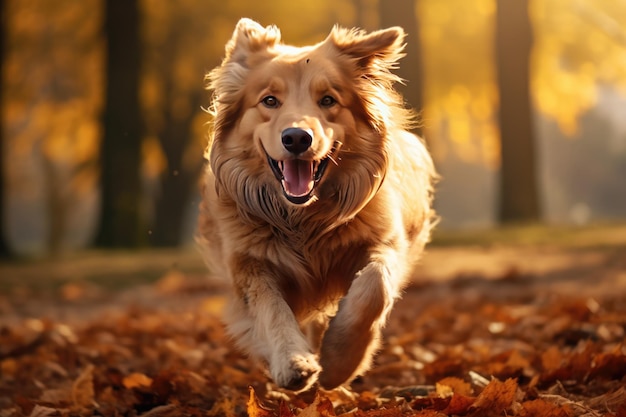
x=297 y=177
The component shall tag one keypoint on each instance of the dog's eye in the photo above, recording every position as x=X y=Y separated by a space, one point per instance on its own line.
x=328 y=101
x=270 y=102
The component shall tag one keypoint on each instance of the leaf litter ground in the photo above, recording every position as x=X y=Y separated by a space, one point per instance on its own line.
x=483 y=332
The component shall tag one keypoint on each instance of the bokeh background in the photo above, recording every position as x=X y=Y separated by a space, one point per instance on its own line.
x=522 y=103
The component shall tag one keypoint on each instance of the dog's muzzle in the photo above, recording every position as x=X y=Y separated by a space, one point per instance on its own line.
x=299 y=177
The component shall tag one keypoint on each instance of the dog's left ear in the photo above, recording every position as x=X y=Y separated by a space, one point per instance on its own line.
x=248 y=38
x=382 y=47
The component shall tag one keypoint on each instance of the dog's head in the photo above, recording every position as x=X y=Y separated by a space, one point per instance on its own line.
x=298 y=121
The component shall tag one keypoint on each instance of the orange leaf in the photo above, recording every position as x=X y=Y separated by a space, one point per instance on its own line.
x=382 y=412
x=459 y=404
x=136 y=380
x=497 y=397
x=325 y=407
x=254 y=407
x=82 y=389
x=321 y=407
x=551 y=358
x=541 y=408
x=456 y=385
x=284 y=410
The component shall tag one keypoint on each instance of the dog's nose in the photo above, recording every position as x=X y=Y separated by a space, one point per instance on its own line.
x=297 y=140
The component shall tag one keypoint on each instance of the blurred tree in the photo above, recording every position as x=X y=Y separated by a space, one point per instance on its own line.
x=460 y=92
x=176 y=52
x=121 y=217
x=52 y=105
x=578 y=51
x=403 y=13
x=4 y=247
x=177 y=182
x=519 y=197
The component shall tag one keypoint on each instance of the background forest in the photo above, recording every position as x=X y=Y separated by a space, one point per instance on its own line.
x=523 y=105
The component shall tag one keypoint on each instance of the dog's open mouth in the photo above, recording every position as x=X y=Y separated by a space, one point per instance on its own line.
x=298 y=177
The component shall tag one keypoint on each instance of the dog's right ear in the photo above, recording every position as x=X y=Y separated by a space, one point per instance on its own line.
x=250 y=37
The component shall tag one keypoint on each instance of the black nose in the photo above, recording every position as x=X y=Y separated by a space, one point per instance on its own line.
x=296 y=140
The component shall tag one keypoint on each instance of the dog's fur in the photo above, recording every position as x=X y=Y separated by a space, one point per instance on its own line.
x=320 y=239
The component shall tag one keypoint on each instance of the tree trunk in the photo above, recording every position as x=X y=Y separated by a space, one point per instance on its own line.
x=403 y=13
x=177 y=182
x=4 y=247
x=121 y=218
x=519 y=199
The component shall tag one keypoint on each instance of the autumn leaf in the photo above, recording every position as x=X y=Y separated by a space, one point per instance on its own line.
x=496 y=398
x=41 y=411
x=284 y=410
x=542 y=408
x=255 y=409
x=320 y=407
x=382 y=412
x=609 y=365
x=82 y=390
x=551 y=358
x=454 y=385
x=136 y=379
x=459 y=404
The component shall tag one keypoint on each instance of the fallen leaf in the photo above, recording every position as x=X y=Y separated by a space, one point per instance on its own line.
x=459 y=404
x=320 y=407
x=456 y=386
x=136 y=380
x=382 y=412
x=41 y=411
x=284 y=410
x=541 y=408
x=82 y=389
x=496 y=398
x=551 y=358
x=255 y=409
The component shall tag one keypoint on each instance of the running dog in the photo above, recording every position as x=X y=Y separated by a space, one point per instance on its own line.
x=317 y=201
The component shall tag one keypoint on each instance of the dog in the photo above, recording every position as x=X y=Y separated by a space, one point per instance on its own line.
x=317 y=201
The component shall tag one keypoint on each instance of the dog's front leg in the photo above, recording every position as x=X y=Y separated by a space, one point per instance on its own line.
x=265 y=325
x=353 y=334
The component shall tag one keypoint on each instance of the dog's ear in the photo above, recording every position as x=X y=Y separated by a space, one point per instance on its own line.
x=382 y=47
x=250 y=37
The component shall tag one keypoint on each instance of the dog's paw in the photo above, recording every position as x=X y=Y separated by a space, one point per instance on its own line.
x=296 y=374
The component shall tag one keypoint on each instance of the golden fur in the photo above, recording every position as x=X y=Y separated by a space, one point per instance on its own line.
x=316 y=256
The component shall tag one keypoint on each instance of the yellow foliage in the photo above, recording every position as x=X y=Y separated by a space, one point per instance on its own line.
x=55 y=48
x=460 y=92
x=154 y=161
x=578 y=46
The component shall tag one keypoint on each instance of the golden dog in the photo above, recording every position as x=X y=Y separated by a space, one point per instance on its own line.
x=316 y=200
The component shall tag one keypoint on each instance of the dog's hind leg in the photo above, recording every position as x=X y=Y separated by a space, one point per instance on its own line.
x=264 y=325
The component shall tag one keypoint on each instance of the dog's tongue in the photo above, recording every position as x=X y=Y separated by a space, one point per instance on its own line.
x=297 y=177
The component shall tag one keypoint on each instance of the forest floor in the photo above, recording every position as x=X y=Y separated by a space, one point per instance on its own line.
x=516 y=322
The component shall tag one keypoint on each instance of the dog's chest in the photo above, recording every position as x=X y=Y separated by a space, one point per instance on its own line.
x=318 y=263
